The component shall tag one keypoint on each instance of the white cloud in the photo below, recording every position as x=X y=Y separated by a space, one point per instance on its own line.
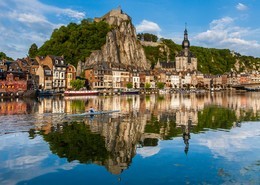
x=28 y=18
x=73 y=14
x=148 y=151
x=241 y=7
x=224 y=33
x=25 y=22
x=231 y=145
x=148 y=26
x=26 y=162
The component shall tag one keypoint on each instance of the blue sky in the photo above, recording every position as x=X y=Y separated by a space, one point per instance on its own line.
x=231 y=24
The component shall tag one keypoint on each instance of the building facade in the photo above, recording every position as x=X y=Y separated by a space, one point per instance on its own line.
x=185 y=60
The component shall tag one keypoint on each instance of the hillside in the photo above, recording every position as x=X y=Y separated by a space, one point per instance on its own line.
x=112 y=38
x=210 y=60
x=76 y=41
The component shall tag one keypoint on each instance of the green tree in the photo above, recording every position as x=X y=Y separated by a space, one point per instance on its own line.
x=147 y=86
x=160 y=85
x=76 y=41
x=77 y=84
x=33 y=50
x=129 y=85
x=3 y=56
x=147 y=37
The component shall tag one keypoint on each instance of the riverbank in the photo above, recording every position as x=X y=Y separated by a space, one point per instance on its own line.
x=114 y=92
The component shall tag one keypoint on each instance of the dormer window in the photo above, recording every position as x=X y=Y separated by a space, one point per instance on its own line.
x=56 y=61
x=62 y=62
x=48 y=72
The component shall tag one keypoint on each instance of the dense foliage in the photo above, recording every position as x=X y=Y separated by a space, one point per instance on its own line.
x=214 y=61
x=76 y=41
x=215 y=117
x=129 y=85
x=147 y=86
x=160 y=85
x=147 y=37
x=210 y=60
x=77 y=84
x=76 y=142
x=3 y=56
x=152 y=54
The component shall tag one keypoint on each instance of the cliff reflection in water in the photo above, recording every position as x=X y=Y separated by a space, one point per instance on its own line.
x=112 y=140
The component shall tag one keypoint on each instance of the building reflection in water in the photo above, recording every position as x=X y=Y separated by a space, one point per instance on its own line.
x=145 y=120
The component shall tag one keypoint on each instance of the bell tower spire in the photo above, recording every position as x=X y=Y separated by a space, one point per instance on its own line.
x=186 y=42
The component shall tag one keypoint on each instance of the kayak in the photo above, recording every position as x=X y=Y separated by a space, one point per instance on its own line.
x=95 y=113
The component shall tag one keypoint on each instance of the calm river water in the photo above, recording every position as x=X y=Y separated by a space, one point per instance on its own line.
x=155 y=139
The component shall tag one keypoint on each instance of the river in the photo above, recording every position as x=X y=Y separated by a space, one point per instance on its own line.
x=209 y=138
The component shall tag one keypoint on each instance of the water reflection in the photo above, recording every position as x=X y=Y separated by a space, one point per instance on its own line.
x=143 y=123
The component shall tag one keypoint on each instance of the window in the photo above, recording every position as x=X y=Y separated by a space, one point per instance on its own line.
x=48 y=72
x=57 y=74
x=56 y=61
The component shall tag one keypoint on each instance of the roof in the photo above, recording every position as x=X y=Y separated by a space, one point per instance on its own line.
x=34 y=61
x=167 y=65
x=58 y=61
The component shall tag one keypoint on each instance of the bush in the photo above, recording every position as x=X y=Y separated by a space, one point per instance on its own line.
x=77 y=84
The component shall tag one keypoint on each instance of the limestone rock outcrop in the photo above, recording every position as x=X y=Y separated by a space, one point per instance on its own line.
x=122 y=45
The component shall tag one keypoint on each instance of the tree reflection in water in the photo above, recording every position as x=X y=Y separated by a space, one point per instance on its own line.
x=142 y=124
x=76 y=142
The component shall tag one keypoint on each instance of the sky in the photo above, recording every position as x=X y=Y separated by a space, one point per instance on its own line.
x=224 y=24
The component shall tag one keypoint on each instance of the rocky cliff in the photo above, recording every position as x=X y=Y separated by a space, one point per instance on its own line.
x=122 y=45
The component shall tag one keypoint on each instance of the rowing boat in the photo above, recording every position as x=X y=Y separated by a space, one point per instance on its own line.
x=95 y=113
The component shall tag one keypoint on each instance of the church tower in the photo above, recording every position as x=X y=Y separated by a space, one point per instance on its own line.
x=186 y=43
x=185 y=60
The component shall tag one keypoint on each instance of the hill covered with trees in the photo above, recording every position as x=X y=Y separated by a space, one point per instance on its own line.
x=74 y=41
x=210 y=60
x=77 y=41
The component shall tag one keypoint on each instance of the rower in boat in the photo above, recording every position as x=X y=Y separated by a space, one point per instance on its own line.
x=91 y=110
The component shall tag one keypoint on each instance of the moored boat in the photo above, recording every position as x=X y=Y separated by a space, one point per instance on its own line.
x=80 y=93
x=130 y=91
x=46 y=93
